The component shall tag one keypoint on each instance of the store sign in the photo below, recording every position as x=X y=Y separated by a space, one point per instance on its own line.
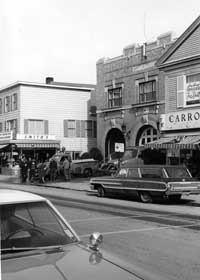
x=186 y=119
x=35 y=137
x=6 y=135
x=193 y=93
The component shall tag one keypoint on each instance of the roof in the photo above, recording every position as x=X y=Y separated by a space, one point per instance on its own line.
x=69 y=86
x=162 y=60
x=8 y=196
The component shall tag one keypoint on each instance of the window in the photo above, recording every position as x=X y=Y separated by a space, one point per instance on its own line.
x=80 y=128
x=149 y=134
x=7 y=104
x=151 y=173
x=14 y=102
x=11 y=125
x=71 y=128
x=36 y=127
x=1 y=127
x=114 y=97
x=192 y=94
x=147 y=91
x=133 y=173
x=1 y=106
x=88 y=128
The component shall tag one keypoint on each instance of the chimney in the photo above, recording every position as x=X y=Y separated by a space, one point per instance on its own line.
x=49 y=80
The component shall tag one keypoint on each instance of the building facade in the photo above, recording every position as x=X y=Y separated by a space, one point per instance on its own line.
x=129 y=97
x=180 y=125
x=41 y=118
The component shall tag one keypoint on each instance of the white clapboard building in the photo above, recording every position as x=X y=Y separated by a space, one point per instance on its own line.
x=42 y=118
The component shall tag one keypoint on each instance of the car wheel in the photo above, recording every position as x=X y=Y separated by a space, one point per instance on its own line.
x=87 y=172
x=145 y=197
x=101 y=192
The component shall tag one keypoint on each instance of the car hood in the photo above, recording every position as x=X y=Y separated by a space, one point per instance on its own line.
x=73 y=262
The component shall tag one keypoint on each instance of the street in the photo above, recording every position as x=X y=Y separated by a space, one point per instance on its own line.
x=162 y=239
x=165 y=244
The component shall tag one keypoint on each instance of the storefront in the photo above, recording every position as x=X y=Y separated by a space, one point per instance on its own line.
x=34 y=146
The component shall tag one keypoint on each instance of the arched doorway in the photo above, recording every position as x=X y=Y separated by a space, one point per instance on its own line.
x=114 y=136
x=150 y=156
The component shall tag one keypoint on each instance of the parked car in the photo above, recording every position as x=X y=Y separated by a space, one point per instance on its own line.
x=148 y=182
x=106 y=169
x=38 y=243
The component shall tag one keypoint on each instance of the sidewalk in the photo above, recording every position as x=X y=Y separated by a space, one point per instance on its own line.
x=76 y=184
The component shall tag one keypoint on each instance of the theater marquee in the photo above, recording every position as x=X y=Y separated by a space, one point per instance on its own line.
x=186 y=119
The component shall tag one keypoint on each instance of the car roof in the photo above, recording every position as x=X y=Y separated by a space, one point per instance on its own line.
x=129 y=165
x=8 y=196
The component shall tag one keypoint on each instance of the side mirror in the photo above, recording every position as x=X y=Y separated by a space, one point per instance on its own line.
x=96 y=240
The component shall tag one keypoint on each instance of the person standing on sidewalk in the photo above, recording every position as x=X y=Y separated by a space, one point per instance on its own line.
x=66 y=169
x=53 y=169
x=24 y=169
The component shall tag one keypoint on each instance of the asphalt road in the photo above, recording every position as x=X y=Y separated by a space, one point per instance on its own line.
x=160 y=238
x=166 y=244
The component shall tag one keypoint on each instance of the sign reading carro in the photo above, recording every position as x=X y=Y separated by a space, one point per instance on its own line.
x=119 y=147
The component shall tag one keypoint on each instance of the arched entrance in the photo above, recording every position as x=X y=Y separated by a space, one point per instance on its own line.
x=114 y=136
x=150 y=156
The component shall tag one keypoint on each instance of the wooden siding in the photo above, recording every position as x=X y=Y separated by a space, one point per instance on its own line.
x=170 y=89
x=189 y=48
x=57 y=105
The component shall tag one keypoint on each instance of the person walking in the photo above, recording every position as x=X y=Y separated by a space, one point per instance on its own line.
x=66 y=169
x=53 y=169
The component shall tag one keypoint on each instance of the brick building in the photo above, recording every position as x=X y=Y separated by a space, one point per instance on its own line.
x=129 y=97
x=38 y=119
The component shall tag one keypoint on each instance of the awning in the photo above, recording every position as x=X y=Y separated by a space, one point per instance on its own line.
x=37 y=144
x=2 y=146
x=161 y=143
x=178 y=142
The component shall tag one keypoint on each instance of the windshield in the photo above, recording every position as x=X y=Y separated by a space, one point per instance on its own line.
x=181 y=172
x=31 y=225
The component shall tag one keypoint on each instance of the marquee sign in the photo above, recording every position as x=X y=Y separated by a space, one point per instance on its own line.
x=35 y=137
x=186 y=119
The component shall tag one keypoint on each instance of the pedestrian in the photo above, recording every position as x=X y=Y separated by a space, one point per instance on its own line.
x=24 y=169
x=41 y=171
x=53 y=169
x=66 y=169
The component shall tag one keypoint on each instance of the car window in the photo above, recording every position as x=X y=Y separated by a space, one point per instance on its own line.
x=177 y=172
x=122 y=173
x=133 y=173
x=151 y=172
x=32 y=224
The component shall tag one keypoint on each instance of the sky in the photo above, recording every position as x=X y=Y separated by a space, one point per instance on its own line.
x=65 y=38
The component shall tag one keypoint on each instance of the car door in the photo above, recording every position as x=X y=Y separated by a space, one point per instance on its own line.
x=131 y=184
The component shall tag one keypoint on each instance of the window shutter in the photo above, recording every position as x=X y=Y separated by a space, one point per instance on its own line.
x=180 y=91
x=4 y=105
x=25 y=126
x=65 y=124
x=78 y=128
x=136 y=92
x=46 y=127
x=82 y=128
x=94 y=129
